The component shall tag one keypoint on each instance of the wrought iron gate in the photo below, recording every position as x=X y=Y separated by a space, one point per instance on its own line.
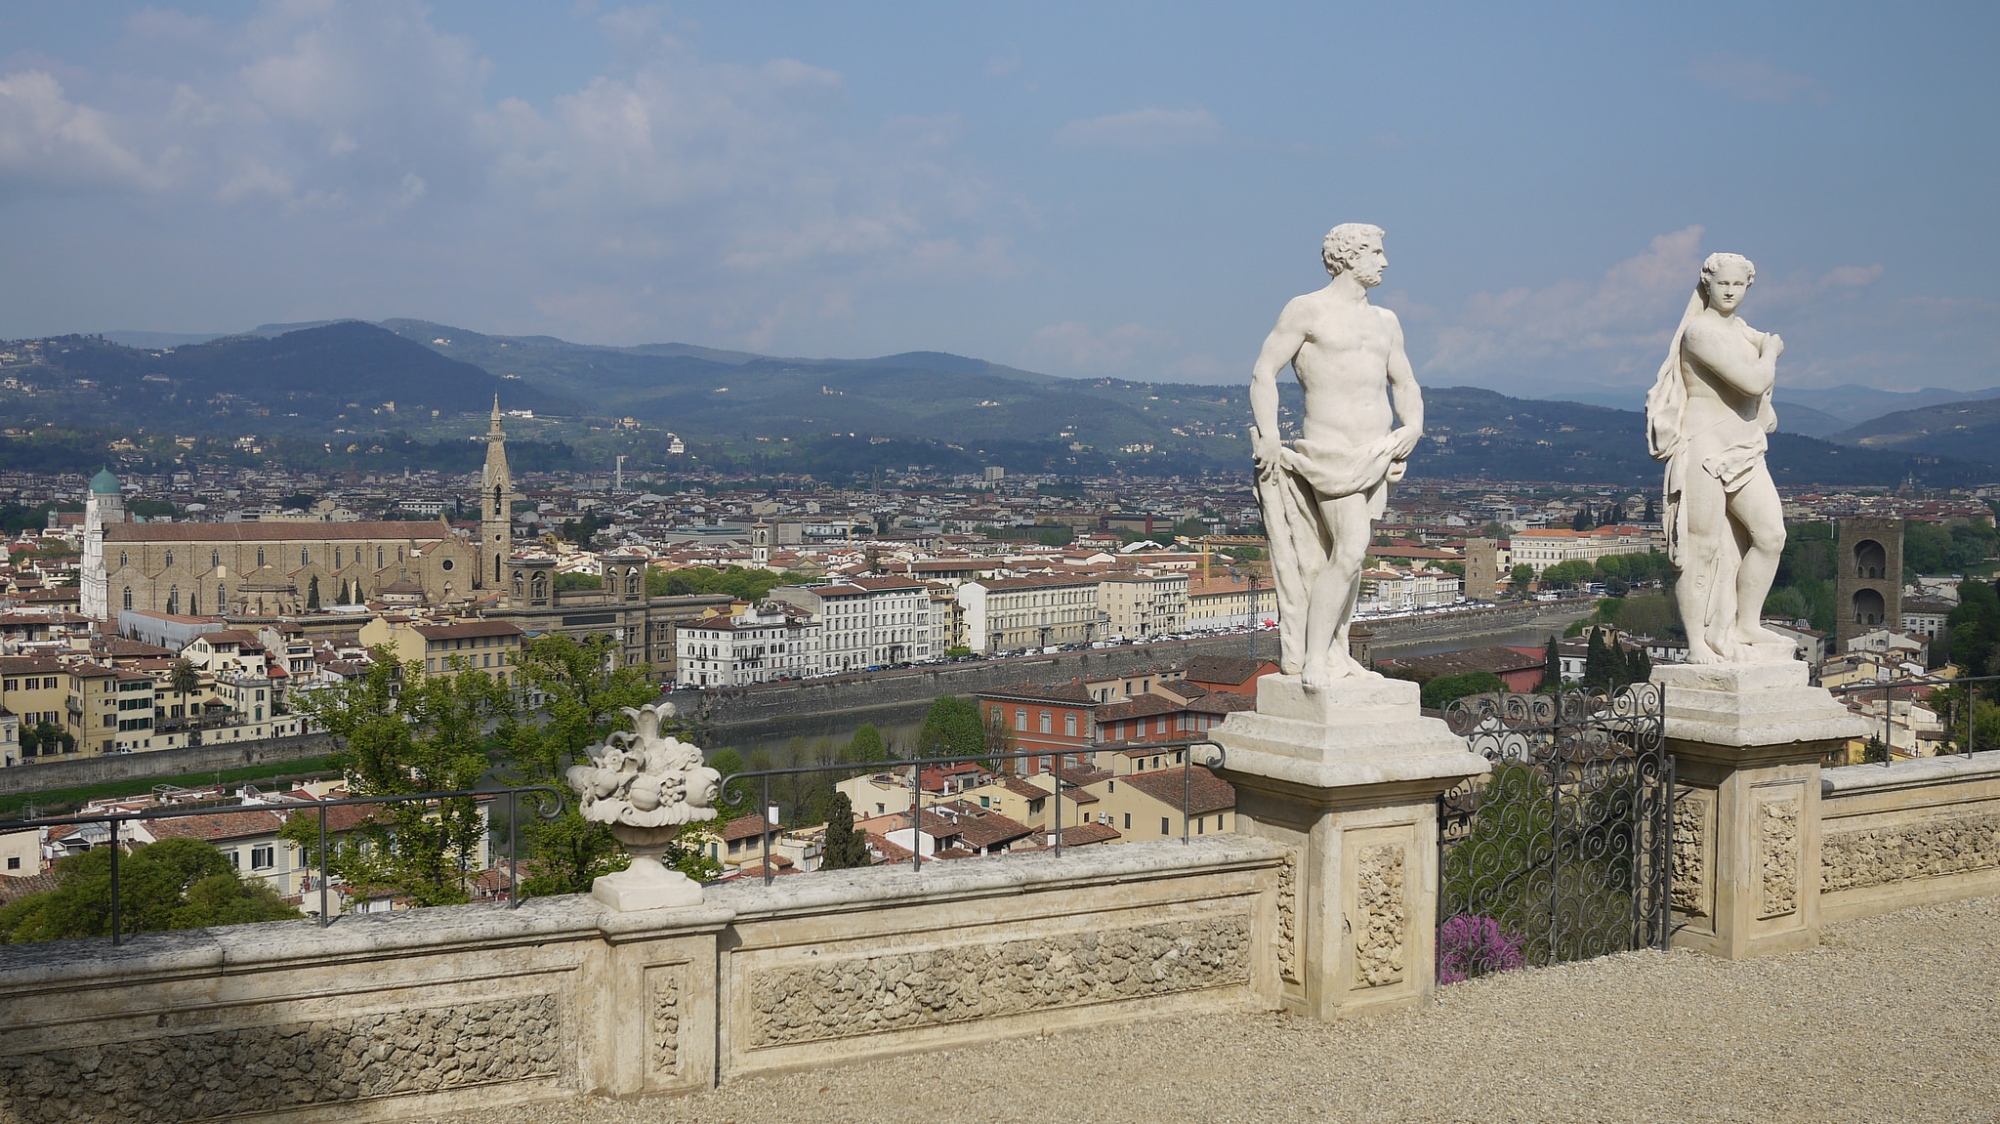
x=1562 y=852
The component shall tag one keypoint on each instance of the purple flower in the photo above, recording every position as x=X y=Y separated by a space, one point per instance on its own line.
x=1470 y=945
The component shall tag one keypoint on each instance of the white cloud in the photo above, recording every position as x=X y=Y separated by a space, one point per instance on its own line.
x=1084 y=350
x=735 y=201
x=1754 y=78
x=50 y=141
x=1142 y=129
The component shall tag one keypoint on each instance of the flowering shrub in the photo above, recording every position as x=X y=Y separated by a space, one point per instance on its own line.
x=1469 y=945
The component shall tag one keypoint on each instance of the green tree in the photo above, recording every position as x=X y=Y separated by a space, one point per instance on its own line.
x=1443 y=690
x=1568 y=574
x=1602 y=663
x=406 y=732
x=952 y=729
x=567 y=582
x=1974 y=627
x=1519 y=578
x=865 y=746
x=583 y=699
x=956 y=651
x=312 y=594
x=172 y=884
x=731 y=803
x=844 y=848
x=1552 y=664
x=1638 y=665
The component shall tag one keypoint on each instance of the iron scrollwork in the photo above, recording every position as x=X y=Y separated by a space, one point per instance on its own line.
x=1562 y=852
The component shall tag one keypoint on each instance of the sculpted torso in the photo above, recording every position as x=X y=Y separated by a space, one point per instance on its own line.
x=1342 y=365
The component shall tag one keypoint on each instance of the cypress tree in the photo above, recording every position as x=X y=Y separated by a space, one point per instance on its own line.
x=1638 y=666
x=312 y=593
x=1597 y=666
x=1552 y=668
x=845 y=848
x=345 y=599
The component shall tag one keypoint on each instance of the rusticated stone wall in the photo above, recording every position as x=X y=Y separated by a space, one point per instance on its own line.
x=285 y=1067
x=1378 y=948
x=906 y=990
x=1926 y=848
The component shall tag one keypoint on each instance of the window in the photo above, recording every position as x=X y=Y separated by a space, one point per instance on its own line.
x=260 y=557
x=124 y=559
x=1163 y=825
x=1021 y=719
x=263 y=858
x=305 y=556
x=170 y=559
x=1128 y=821
x=236 y=859
x=378 y=557
x=336 y=558
x=1069 y=723
x=13 y=862
x=1048 y=725
x=128 y=597
x=221 y=602
x=214 y=559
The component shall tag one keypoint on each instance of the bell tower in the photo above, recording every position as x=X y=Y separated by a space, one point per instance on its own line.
x=496 y=494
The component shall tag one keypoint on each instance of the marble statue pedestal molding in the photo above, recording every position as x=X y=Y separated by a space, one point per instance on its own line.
x=647 y=883
x=1747 y=742
x=1348 y=780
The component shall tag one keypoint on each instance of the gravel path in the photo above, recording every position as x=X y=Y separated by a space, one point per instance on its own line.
x=1894 y=1018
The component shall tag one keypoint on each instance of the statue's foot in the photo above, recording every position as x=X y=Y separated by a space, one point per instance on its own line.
x=1316 y=676
x=1702 y=653
x=1757 y=635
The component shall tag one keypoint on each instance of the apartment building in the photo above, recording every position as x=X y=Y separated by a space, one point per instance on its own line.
x=869 y=622
x=493 y=647
x=755 y=646
x=1004 y=614
x=1141 y=606
x=1233 y=601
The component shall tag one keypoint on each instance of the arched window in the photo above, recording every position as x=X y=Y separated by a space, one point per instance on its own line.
x=378 y=557
x=541 y=584
x=399 y=554
x=170 y=559
x=632 y=583
x=260 y=557
x=305 y=557
x=517 y=583
x=221 y=597
x=214 y=559
x=124 y=559
x=128 y=597
x=336 y=558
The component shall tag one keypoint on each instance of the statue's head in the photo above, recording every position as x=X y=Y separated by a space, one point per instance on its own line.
x=1354 y=247
x=1724 y=280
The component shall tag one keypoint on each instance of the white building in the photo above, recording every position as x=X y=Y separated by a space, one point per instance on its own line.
x=1405 y=591
x=869 y=622
x=759 y=646
x=1544 y=548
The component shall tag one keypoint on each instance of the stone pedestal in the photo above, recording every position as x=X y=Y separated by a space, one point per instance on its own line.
x=647 y=883
x=1747 y=741
x=1348 y=780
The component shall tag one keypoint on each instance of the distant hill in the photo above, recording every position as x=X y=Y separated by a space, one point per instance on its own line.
x=1794 y=418
x=1967 y=430
x=345 y=372
x=852 y=416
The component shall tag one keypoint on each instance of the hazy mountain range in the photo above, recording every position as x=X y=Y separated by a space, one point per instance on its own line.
x=307 y=381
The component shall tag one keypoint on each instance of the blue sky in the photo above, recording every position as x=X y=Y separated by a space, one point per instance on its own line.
x=1106 y=189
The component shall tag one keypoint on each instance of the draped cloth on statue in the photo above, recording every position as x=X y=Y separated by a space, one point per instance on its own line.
x=1310 y=473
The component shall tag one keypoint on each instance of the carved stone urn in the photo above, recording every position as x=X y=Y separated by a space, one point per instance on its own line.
x=646 y=786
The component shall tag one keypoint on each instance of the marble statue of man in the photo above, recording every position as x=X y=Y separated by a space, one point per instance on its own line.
x=1320 y=495
x=1706 y=417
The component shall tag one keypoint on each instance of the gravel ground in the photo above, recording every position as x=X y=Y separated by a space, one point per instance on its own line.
x=1894 y=1018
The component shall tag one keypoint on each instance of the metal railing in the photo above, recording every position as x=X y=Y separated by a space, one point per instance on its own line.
x=915 y=767
x=543 y=806
x=1888 y=689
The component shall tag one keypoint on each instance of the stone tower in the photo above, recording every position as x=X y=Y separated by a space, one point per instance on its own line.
x=104 y=504
x=496 y=494
x=1868 y=582
x=1482 y=568
x=760 y=543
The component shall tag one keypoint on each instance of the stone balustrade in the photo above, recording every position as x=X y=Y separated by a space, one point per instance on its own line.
x=1909 y=833
x=395 y=1015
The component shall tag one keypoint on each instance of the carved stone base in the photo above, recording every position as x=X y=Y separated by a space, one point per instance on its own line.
x=647 y=883
x=1747 y=740
x=1348 y=779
